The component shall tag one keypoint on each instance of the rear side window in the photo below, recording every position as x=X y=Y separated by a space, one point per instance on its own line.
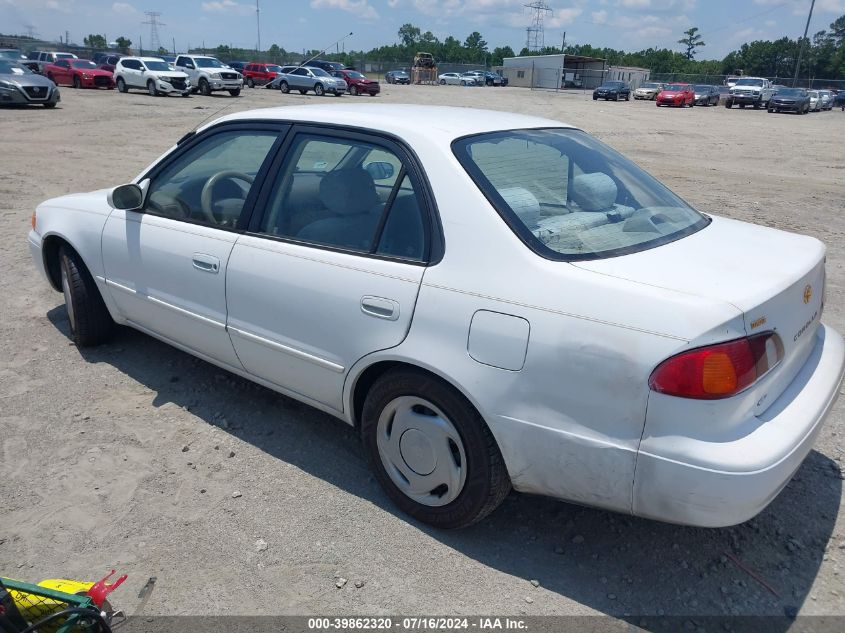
x=570 y=197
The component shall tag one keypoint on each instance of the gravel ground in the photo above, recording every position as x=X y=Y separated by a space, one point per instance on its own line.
x=240 y=501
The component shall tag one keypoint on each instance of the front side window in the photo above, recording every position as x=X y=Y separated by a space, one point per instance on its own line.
x=346 y=194
x=569 y=196
x=210 y=182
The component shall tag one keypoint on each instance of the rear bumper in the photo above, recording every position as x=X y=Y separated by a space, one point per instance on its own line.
x=734 y=479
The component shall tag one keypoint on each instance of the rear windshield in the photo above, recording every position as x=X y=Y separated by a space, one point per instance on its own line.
x=570 y=197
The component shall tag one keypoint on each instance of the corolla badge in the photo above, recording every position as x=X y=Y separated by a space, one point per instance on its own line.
x=808 y=293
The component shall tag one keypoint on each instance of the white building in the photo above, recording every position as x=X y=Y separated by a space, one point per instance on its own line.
x=567 y=71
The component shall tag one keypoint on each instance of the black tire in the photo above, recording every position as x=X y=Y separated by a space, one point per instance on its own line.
x=205 y=89
x=742 y=106
x=628 y=97
x=283 y=86
x=50 y=105
x=250 y=83
x=756 y=105
x=487 y=482
x=728 y=104
x=187 y=94
x=353 y=90
x=595 y=98
x=77 y=82
x=303 y=92
x=235 y=92
x=151 y=88
x=442 y=82
x=319 y=90
x=90 y=321
x=771 y=111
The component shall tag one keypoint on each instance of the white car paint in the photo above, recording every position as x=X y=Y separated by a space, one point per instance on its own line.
x=456 y=79
x=565 y=393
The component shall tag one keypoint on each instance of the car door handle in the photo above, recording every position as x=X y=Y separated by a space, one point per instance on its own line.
x=380 y=307
x=206 y=263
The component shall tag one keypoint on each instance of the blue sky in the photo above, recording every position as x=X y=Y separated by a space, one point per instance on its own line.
x=297 y=24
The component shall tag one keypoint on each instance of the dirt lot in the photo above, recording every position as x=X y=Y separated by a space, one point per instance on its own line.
x=128 y=455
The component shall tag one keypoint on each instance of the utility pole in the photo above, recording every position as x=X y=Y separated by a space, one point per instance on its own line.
x=801 y=47
x=258 y=26
x=563 y=43
x=174 y=45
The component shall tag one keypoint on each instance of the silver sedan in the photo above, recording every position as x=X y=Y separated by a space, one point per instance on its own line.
x=20 y=86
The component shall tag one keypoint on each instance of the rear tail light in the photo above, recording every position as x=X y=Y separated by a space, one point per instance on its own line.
x=718 y=371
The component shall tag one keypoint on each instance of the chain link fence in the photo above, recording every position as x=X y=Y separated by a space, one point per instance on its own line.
x=815 y=83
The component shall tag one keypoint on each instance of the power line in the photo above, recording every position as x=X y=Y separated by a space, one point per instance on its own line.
x=534 y=39
x=152 y=20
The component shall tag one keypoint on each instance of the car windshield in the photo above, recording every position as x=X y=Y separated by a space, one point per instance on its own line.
x=649 y=85
x=272 y=68
x=400 y=73
x=789 y=92
x=10 y=55
x=568 y=196
x=64 y=56
x=319 y=72
x=8 y=67
x=750 y=82
x=209 y=62
x=354 y=74
x=611 y=84
x=675 y=87
x=83 y=64
x=702 y=88
x=157 y=65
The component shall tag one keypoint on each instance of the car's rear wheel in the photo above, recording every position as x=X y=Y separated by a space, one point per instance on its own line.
x=353 y=90
x=151 y=88
x=121 y=85
x=90 y=321
x=442 y=82
x=284 y=87
x=431 y=450
x=77 y=82
x=250 y=83
x=319 y=90
x=235 y=92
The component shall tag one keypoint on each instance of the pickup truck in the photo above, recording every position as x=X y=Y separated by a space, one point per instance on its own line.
x=37 y=61
x=753 y=91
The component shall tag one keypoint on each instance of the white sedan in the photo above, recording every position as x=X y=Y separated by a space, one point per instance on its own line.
x=496 y=301
x=456 y=79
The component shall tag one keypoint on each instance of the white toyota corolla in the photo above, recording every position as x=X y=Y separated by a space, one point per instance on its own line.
x=494 y=300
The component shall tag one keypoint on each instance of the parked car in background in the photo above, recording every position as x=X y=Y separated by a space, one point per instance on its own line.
x=79 y=73
x=612 y=90
x=790 y=100
x=152 y=74
x=324 y=65
x=706 y=95
x=260 y=74
x=357 y=83
x=840 y=99
x=753 y=91
x=827 y=99
x=648 y=90
x=478 y=78
x=239 y=66
x=398 y=278
x=397 y=77
x=455 y=79
x=109 y=62
x=489 y=78
x=731 y=80
x=209 y=74
x=20 y=86
x=307 y=78
x=815 y=101
x=680 y=95
x=38 y=60
x=13 y=54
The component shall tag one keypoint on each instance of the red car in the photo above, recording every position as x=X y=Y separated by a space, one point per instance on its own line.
x=258 y=74
x=79 y=73
x=357 y=83
x=680 y=95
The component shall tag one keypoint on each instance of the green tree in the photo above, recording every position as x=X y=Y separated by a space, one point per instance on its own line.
x=409 y=34
x=499 y=53
x=691 y=41
x=123 y=44
x=95 y=41
x=476 y=47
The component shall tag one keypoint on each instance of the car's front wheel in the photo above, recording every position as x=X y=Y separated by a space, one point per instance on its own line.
x=319 y=90
x=431 y=450
x=284 y=87
x=250 y=83
x=77 y=82
x=442 y=82
x=353 y=90
x=151 y=88
x=90 y=321
x=205 y=88
x=235 y=92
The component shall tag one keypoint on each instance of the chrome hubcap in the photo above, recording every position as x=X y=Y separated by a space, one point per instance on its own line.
x=68 y=301
x=421 y=451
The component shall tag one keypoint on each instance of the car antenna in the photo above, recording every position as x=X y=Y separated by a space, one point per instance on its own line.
x=311 y=59
x=198 y=125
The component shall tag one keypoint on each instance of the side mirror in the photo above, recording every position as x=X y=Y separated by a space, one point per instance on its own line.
x=379 y=170
x=126 y=197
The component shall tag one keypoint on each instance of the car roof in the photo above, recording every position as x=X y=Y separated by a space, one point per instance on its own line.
x=446 y=123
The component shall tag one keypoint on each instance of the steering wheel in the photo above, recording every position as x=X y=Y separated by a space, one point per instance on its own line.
x=205 y=196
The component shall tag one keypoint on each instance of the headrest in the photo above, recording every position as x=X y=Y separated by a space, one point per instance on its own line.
x=594 y=192
x=348 y=191
x=523 y=203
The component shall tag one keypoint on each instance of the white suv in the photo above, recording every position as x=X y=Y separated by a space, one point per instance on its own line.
x=209 y=74
x=151 y=73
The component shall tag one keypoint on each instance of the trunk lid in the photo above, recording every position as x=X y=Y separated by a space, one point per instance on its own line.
x=776 y=279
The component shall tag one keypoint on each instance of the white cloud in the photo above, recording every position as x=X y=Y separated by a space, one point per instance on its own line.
x=799 y=7
x=599 y=17
x=227 y=6
x=124 y=8
x=361 y=8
